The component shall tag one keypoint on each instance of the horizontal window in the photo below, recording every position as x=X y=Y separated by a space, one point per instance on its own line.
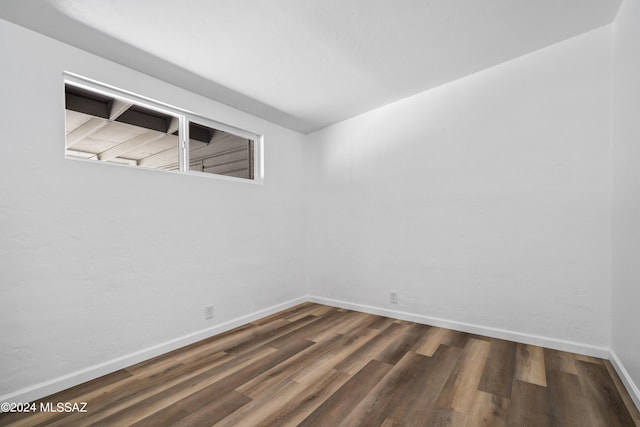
x=108 y=125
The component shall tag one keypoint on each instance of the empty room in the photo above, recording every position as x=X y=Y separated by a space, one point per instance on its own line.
x=320 y=213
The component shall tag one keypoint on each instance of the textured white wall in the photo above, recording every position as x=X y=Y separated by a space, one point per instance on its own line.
x=626 y=189
x=98 y=262
x=485 y=201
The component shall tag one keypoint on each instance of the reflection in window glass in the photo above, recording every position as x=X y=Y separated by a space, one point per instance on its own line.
x=219 y=152
x=108 y=129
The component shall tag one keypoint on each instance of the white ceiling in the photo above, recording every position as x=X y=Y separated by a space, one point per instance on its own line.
x=306 y=64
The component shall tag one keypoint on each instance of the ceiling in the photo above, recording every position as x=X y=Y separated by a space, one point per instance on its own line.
x=306 y=64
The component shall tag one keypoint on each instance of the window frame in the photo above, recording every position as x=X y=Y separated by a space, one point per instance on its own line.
x=184 y=117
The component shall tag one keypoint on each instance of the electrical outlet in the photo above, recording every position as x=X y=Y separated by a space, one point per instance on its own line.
x=208 y=312
x=393 y=297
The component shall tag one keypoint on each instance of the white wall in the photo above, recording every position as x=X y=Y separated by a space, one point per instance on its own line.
x=483 y=202
x=98 y=262
x=626 y=191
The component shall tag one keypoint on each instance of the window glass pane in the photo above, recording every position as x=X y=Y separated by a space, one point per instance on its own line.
x=109 y=129
x=219 y=152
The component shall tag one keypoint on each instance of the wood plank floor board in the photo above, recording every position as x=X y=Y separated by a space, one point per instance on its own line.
x=530 y=405
x=285 y=371
x=439 y=417
x=336 y=408
x=590 y=359
x=289 y=329
x=603 y=402
x=302 y=405
x=309 y=330
x=348 y=326
x=314 y=370
x=401 y=344
x=249 y=338
x=499 y=370
x=322 y=310
x=530 y=364
x=354 y=321
x=139 y=401
x=488 y=410
x=381 y=322
x=434 y=337
x=569 y=405
x=354 y=362
x=369 y=411
x=304 y=311
x=431 y=340
x=622 y=392
x=390 y=423
x=209 y=413
x=315 y=365
x=310 y=365
x=197 y=409
x=402 y=394
x=456 y=338
x=222 y=341
x=115 y=395
x=287 y=314
x=72 y=394
x=143 y=401
x=128 y=394
x=460 y=389
x=165 y=417
x=257 y=410
x=194 y=401
x=217 y=386
x=559 y=361
x=412 y=402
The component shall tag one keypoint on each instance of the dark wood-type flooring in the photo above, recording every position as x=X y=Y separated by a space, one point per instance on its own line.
x=314 y=365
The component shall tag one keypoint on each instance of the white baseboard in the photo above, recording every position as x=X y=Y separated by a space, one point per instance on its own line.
x=55 y=385
x=628 y=382
x=556 y=344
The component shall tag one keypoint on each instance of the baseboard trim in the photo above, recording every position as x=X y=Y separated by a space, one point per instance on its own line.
x=628 y=382
x=55 y=385
x=556 y=344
